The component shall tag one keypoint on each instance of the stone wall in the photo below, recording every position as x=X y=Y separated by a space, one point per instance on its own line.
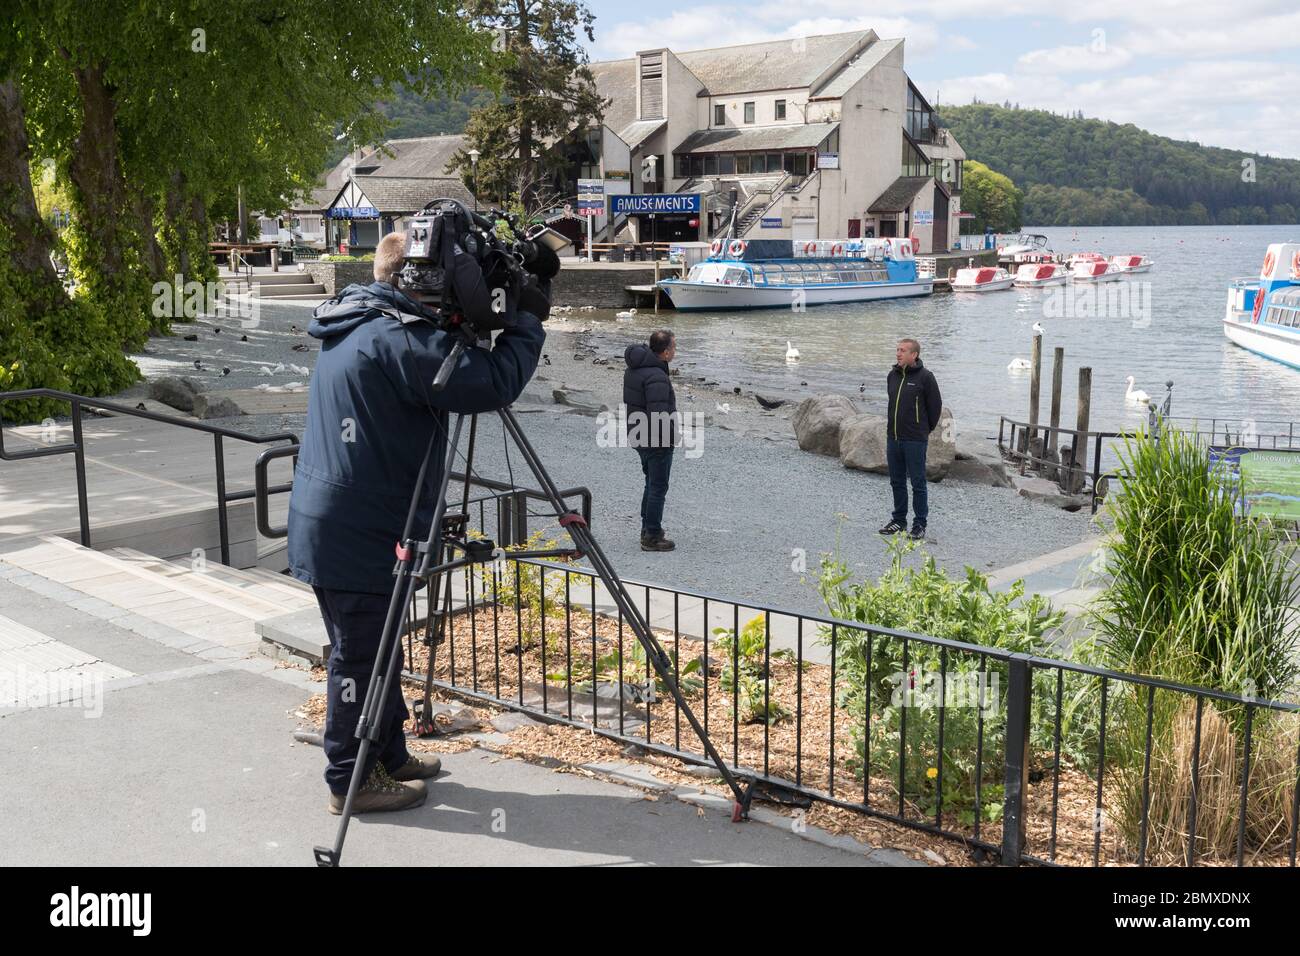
x=603 y=288
x=338 y=275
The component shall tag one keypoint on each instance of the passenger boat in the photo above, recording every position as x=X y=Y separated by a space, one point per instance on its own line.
x=981 y=279
x=1093 y=270
x=775 y=273
x=1031 y=275
x=1026 y=247
x=1085 y=257
x=1263 y=315
x=1130 y=264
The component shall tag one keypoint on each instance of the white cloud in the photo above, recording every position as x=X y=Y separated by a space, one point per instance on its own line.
x=1094 y=58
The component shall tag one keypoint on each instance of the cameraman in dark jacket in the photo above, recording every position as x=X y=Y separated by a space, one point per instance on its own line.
x=914 y=408
x=370 y=416
x=652 y=428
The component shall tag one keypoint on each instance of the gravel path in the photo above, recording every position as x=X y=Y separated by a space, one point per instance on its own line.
x=745 y=509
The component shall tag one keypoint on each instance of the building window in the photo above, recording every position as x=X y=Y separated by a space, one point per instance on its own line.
x=749 y=112
x=914 y=163
x=742 y=163
x=773 y=162
x=711 y=164
x=719 y=114
x=920 y=120
x=682 y=166
x=780 y=109
x=697 y=165
x=726 y=165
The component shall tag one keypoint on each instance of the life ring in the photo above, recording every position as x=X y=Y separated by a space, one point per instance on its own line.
x=715 y=247
x=837 y=249
x=737 y=247
x=1259 y=305
x=1267 y=271
x=1295 y=265
x=809 y=248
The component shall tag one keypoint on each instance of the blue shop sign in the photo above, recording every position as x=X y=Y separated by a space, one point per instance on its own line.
x=658 y=203
x=354 y=212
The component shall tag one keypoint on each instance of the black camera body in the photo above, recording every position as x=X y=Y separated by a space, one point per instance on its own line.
x=458 y=266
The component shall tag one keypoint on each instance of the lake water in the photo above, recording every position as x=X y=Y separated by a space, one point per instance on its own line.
x=1170 y=328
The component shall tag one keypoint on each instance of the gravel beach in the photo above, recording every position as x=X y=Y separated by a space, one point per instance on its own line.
x=746 y=507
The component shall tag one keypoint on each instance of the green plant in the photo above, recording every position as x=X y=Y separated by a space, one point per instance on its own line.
x=526 y=588
x=909 y=687
x=746 y=675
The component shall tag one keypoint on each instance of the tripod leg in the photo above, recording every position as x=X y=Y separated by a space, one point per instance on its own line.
x=582 y=537
x=389 y=651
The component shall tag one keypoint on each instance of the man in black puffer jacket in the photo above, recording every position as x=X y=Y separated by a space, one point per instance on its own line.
x=652 y=428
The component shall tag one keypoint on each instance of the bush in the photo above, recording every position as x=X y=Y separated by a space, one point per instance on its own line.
x=749 y=681
x=926 y=601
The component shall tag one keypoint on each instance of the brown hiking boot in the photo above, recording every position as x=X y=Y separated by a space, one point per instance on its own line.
x=656 y=542
x=418 y=767
x=381 y=793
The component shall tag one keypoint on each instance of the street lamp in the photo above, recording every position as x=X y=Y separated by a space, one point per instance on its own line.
x=474 y=154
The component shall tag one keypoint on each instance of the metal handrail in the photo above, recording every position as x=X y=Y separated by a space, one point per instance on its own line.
x=77 y=449
x=1009 y=449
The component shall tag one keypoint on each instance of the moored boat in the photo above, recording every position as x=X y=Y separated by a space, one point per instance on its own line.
x=775 y=273
x=1263 y=315
x=1093 y=270
x=981 y=279
x=1026 y=247
x=1130 y=264
x=1034 y=274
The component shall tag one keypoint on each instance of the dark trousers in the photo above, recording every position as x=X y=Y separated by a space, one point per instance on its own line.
x=354 y=621
x=907 y=462
x=656 y=464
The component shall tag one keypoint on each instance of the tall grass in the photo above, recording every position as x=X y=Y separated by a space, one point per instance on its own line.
x=1197 y=595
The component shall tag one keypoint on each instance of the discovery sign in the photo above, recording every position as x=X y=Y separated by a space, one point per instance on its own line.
x=656 y=203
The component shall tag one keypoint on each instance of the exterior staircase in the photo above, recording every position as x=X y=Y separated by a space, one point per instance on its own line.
x=286 y=285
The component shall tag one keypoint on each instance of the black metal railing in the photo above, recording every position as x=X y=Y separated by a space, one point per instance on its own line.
x=1240 y=432
x=802 y=704
x=1043 y=448
x=77 y=448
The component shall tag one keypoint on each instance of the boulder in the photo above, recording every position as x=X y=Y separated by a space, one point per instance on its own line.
x=817 y=422
x=862 y=443
x=211 y=406
x=863 y=438
x=583 y=401
x=177 y=392
x=981 y=470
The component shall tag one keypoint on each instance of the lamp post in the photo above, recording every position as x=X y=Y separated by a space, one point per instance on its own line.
x=654 y=253
x=474 y=154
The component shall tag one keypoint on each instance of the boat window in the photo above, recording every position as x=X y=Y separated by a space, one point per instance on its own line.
x=696 y=273
x=736 y=277
x=792 y=278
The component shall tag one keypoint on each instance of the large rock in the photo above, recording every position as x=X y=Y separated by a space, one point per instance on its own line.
x=862 y=443
x=177 y=392
x=587 y=403
x=863 y=439
x=981 y=469
x=817 y=422
x=212 y=406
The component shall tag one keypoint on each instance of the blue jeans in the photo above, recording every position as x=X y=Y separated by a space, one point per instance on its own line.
x=907 y=461
x=353 y=621
x=656 y=464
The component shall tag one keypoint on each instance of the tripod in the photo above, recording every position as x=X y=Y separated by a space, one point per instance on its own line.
x=446 y=549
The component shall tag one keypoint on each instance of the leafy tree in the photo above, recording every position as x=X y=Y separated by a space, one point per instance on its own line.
x=992 y=198
x=547 y=93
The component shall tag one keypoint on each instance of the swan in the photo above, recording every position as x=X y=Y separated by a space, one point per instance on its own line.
x=1038 y=327
x=1135 y=395
x=629 y=314
x=791 y=353
x=1019 y=365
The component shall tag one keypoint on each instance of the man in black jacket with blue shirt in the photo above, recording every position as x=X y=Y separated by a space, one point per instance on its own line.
x=914 y=408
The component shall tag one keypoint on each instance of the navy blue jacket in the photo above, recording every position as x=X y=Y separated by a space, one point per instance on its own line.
x=650 y=399
x=914 y=402
x=369 y=420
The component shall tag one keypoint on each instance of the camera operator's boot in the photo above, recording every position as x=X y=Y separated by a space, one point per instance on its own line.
x=656 y=542
x=418 y=767
x=381 y=793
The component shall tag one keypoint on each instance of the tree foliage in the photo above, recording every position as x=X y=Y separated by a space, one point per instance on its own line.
x=1083 y=172
x=992 y=198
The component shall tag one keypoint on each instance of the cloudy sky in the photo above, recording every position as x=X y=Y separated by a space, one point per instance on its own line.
x=1219 y=73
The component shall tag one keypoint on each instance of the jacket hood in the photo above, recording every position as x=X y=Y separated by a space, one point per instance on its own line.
x=356 y=304
x=911 y=368
x=640 y=356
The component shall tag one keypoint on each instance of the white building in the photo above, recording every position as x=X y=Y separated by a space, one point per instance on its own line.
x=819 y=137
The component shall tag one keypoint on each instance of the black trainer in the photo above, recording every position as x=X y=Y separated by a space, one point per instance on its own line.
x=918 y=531
x=894 y=527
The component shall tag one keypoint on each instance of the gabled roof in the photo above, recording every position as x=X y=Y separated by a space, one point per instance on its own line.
x=417 y=156
x=899 y=195
x=858 y=67
x=634 y=134
x=744 y=139
x=406 y=194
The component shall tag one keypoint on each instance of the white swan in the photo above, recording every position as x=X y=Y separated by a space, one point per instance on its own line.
x=1019 y=365
x=1135 y=395
x=629 y=314
x=791 y=353
x=1038 y=327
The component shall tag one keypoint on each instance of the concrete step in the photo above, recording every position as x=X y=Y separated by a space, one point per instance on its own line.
x=285 y=289
x=289 y=277
x=265 y=590
x=194 y=604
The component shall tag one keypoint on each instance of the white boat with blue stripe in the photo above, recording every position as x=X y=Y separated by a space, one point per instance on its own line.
x=1263 y=314
x=779 y=273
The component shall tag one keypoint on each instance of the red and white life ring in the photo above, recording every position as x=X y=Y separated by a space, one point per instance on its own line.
x=715 y=247
x=837 y=249
x=737 y=247
x=1267 y=271
x=1259 y=305
x=1295 y=265
x=808 y=248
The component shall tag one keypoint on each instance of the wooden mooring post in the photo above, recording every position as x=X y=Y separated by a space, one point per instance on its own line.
x=1079 y=456
x=1033 y=444
x=1058 y=372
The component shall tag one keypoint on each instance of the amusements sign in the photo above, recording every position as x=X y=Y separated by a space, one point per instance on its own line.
x=661 y=203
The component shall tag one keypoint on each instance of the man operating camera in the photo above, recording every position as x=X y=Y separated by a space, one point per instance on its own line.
x=371 y=414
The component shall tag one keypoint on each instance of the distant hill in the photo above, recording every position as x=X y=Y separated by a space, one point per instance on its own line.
x=413 y=116
x=1085 y=172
